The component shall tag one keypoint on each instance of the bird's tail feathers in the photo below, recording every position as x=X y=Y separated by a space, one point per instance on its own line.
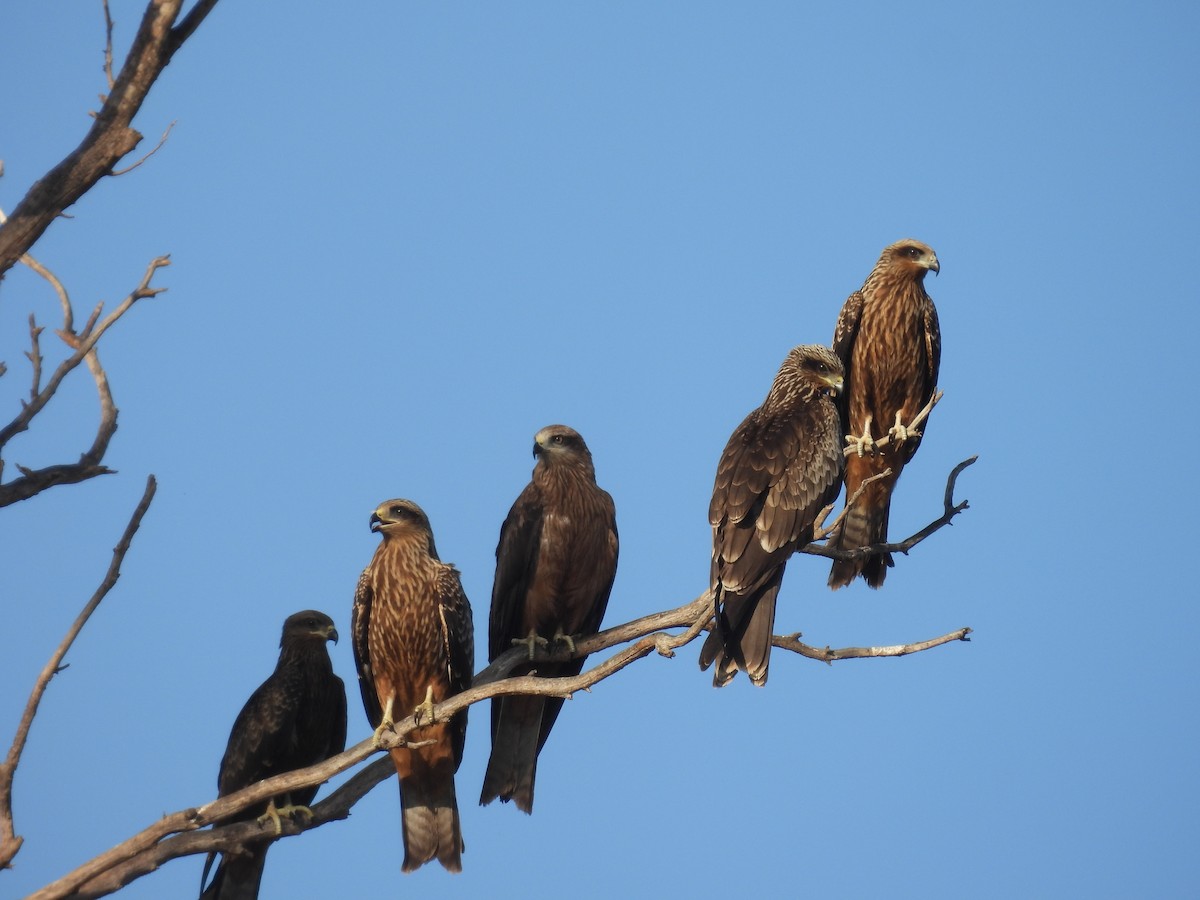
x=430 y=823
x=237 y=877
x=865 y=524
x=512 y=766
x=741 y=637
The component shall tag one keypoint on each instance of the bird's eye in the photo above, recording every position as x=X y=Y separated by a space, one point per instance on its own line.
x=558 y=439
x=913 y=252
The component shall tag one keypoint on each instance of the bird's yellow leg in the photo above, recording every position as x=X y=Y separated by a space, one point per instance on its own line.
x=425 y=709
x=534 y=640
x=385 y=724
x=272 y=814
x=560 y=638
x=865 y=443
x=899 y=433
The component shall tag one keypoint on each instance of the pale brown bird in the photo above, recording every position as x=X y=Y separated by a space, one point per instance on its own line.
x=781 y=467
x=888 y=339
x=414 y=647
x=555 y=566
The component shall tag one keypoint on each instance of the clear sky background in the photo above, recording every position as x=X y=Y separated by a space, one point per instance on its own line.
x=404 y=237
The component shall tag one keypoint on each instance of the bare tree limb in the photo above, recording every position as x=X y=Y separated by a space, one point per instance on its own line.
x=949 y=511
x=34 y=355
x=176 y=834
x=32 y=481
x=111 y=136
x=10 y=842
x=829 y=655
x=108 y=54
x=145 y=156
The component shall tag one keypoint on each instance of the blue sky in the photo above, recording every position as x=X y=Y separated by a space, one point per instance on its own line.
x=404 y=239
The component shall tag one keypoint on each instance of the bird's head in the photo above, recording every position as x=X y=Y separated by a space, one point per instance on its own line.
x=310 y=623
x=396 y=518
x=912 y=256
x=556 y=441
x=815 y=366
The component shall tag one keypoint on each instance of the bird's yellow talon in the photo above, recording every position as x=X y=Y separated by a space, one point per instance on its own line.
x=425 y=710
x=560 y=638
x=532 y=642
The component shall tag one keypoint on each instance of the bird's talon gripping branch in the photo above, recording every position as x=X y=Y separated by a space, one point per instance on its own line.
x=272 y=815
x=864 y=444
x=385 y=724
x=425 y=710
x=560 y=638
x=531 y=643
x=899 y=432
x=291 y=810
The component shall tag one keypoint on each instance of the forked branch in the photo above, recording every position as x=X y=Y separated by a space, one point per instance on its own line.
x=950 y=509
x=84 y=350
x=177 y=834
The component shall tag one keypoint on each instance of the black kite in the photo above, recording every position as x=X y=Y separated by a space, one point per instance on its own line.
x=781 y=467
x=295 y=719
x=887 y=338
x=414 y=647
x=555 y=565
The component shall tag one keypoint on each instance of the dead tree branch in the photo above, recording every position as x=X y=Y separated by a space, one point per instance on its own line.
x=829 y=655
x=111 y=136
x=178 y=834
x=949 y=511
x=10 y=842
x=83 y=344
x=145 y=156
x=820 y=532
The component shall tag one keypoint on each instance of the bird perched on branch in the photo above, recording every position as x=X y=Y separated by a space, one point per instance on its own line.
x=414 y=647
x=295 y=719
x=888 y=339
x=555 y=566
x=781 y=467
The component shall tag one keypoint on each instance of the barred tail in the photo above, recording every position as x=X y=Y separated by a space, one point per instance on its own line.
x=430 y=821
x=864 y=525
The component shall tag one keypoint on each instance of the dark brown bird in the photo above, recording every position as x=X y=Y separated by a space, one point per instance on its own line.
x=555 y=565
x=414 y=647
x=887 y=338
x=295 y=719
x=781 y=467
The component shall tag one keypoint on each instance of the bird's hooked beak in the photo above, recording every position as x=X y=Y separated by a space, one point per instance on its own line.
x=376 y=522
x=835 y=383
x=935 y=265
x=331 y=634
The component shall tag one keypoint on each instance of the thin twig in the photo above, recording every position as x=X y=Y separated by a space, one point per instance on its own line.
x=108 y=54
x=162 y=140
x=820 y=532
x=34 y=355
x=949 y=511
x=10 y=842
x=64 y=300
x=829 y=655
